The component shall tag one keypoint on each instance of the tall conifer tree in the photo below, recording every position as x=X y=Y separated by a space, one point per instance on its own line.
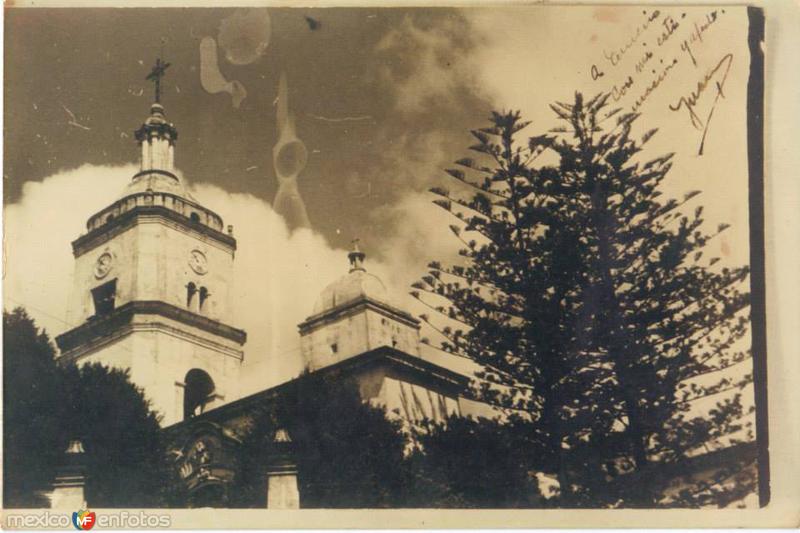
x=587 y=299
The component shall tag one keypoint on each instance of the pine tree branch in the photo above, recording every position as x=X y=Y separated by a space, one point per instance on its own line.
x=481 y=281
x=735 y=386
x=473 y=185
x=718 y=369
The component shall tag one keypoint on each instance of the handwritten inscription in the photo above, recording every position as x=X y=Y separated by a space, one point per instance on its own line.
x=666 y=53
x=618 y=91
x=654 y=84
x=697 y=34
x=642 y=63
x=615 y=56
x=702 y=119
x=670 y=26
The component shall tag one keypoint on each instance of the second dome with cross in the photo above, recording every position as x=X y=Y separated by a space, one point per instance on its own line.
x=356 y=284
x=354 y=315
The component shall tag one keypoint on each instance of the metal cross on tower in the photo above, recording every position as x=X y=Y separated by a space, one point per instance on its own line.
x=155 y=76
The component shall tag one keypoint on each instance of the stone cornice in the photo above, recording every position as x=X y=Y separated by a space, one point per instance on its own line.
x=96 y=343
x=162 y=129
x=393 y=359
x=122 y=317
x=156 y=171
x=350 y=308
x=152 y=198
x=130 y=218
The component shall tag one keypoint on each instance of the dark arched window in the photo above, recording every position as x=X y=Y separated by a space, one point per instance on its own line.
x=204 y=294
x=194 y=217
x=198 y=390
x=191 y=288
x=104 y=297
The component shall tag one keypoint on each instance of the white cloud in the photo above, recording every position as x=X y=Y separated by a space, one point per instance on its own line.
x=277 y=278
x=277 y=274
x=38 y=231
x=420 y=234
x=531 y=56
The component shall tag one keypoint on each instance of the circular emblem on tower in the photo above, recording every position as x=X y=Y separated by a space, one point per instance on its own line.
x=198 y=262
x=103 y=265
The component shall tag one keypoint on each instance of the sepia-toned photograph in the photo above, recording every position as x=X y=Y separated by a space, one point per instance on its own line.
x=488 y=257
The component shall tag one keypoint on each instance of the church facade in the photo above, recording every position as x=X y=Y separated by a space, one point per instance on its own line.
x=151 y=294
x=151 y=286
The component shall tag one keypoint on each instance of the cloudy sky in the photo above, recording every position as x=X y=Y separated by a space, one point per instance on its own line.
x=382 y=98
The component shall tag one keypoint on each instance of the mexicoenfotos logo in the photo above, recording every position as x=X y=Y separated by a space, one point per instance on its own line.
x=84 y=520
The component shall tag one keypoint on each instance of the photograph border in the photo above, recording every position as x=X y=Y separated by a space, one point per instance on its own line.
x=774 y=293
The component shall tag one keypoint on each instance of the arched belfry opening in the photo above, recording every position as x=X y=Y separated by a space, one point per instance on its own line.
x=198 y=391
x=159 y=299
x=191 y=289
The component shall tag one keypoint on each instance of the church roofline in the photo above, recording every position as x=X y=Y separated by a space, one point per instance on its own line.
x=126 y=212
x=129 y=201
x=166 y=173
x=318 y=320
x=102 y=326
x=394 y=358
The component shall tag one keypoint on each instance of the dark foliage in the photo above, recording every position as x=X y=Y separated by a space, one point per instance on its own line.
x=33 y=440
x=587 y=299
x=46 y=405
x=469 y=463
x=121 y=435
x=349 y=455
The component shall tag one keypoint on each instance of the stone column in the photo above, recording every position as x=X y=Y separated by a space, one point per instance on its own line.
x=68 y=488
x=282 y=492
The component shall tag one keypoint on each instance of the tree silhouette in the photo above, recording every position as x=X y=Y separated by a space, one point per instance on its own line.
x=125 y=449
x=349 y=454
x=46 y=405
x=586 y=298
x=465 y=462
x=33 y=442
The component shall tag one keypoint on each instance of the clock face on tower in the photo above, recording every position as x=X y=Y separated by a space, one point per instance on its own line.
x=103 y=265
x=198 y=262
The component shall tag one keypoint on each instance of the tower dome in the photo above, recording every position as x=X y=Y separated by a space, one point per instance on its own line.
x=156 y=138
x=156 y=182
x=353 y=316
x=157 y=185
x=356 y=285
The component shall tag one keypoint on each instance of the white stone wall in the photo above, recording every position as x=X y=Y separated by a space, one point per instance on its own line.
x=354 y=335
x=409 y=401
x=157 y=154
x=172 y=246
x=349 y=334
x=159 y=352
x=123 y=251
x=385 y=331
x=414 y=402
x=282 y=492
x=68 y=498
x=151 y=262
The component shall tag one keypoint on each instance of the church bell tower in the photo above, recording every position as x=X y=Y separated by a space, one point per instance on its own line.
x=151 y=285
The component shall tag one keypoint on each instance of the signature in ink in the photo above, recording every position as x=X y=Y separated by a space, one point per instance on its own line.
x=718 y=75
